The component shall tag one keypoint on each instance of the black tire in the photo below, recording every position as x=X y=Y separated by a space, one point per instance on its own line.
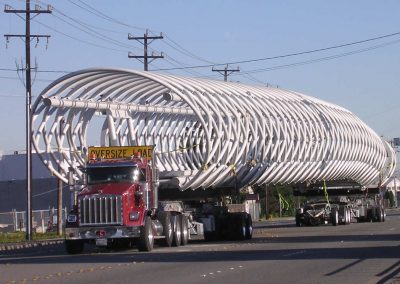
x=209 y=236
x=383 y=214
x=334 y=217
x=240 y=228
x=298 y=220
x=184 y=230
x=74 y=246
x=165 y=219
x=347 y=216
x=379 y=214
x=371 y=215
x=349 y=212
x=146 y=240
x=314 y=221
x=249 y=227
x=177 y=230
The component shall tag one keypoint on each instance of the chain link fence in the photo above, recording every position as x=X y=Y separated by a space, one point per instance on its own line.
x=42 y=220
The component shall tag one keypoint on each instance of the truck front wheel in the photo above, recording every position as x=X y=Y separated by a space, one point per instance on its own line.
x=74 y=246
x=146 y=241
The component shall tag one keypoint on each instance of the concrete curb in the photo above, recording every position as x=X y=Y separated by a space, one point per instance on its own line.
x=32 y=244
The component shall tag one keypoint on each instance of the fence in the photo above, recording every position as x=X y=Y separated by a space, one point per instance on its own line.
x=42 y=220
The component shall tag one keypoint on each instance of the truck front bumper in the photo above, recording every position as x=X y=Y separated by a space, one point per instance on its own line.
x=92 y=233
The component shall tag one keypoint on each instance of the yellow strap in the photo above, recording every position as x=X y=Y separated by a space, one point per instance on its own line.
x=326 y=193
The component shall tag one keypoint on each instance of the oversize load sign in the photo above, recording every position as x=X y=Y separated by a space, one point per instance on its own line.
x=121 y=152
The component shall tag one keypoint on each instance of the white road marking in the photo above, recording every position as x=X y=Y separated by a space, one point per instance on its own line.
x=295 y=253
x=219 y=271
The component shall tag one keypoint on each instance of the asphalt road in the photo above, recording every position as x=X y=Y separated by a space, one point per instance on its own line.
x=278 y=253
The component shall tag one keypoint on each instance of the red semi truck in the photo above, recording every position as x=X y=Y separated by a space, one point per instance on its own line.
x=119 y=204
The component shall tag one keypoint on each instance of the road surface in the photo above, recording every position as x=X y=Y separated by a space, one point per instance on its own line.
x=278 y=253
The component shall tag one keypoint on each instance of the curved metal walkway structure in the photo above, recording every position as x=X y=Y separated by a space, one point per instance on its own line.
x=207 y=133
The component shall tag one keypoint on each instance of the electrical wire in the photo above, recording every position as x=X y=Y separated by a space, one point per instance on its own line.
x=291 y=54
x=15 y=78
x=106 y=17
x=320 y=59
x=80 y=40
x=178 y=63
x=84 y=27
x=177 y=46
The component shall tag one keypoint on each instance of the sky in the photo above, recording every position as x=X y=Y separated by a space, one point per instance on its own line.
x=362 y=77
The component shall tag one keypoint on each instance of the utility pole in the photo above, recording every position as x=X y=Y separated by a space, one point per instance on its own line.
x=60 y=186
x=28 y=37
x=145 y=41
x=226 y=72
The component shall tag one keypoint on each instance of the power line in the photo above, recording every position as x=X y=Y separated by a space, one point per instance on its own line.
x=321 y=59
x=254 y=70
x=287 y=55
x=106 y=17
x=80 y=40
x=86 y=28
x=15 y=78
x=175 y=62
x=184 y=51
x=102 y=15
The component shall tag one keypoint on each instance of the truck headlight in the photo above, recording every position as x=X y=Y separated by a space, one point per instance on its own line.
x=134 y=216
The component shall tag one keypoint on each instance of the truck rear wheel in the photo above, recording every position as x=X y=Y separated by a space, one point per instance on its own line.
x=184 y=230
x=165 y=219
x=74 y=246
x=146 y=240
x=177 y=230
x=334 y=216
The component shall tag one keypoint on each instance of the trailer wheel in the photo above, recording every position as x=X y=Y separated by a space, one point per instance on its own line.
x=334 y=216
x=177 y=232
x=350 y=211
x=240 y=228
x=209 y=236
x=347 y=216
x=146 y=240
x=379 y=214
x=249 y=227
x=184 y=230
x=74 y=246
x=298 y=220
x=165 y=219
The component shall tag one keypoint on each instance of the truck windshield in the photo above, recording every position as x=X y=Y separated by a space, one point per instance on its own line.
x=115 y=175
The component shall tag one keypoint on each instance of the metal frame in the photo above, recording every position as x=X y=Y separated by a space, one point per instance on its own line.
x=208 y=133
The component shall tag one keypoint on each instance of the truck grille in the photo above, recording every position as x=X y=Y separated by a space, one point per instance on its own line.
x=100 y=210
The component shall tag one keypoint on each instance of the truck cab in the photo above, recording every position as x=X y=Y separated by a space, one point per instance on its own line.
x=118 y=202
